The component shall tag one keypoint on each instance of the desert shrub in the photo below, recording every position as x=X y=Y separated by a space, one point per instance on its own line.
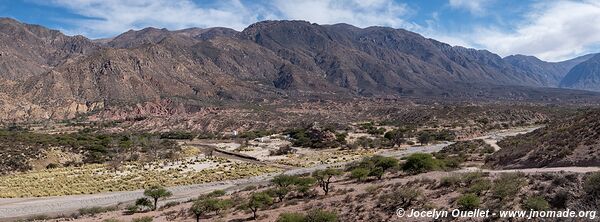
x=468 y=201
x=419 y=163
x=143 y=219
x=91 y=211
x=560 y=200
x=111 y=220
x=450 y=181
x=284 y=150
x=291 y=217
x=311 y=216
x=217 y=193
x=424 y=138
x=398 y=198
x=373 y=166
x=170 y=204
x=450 y=162
x=313 y=137
x=472 y=177
x=536 y=203
x=480 y=186
x=507 y=186
x=52 y=165
x=592 y=185
x=321 y=216
x=255 y=134
x=177 y=135
x=131 y=209
x=143 y=204
x=360 y=174
x=249 y=188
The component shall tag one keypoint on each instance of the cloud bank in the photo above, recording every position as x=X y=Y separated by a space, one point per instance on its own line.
x=553 y=30
x=111 y=17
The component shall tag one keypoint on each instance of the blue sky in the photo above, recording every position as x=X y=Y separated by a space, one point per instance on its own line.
x=552 y=30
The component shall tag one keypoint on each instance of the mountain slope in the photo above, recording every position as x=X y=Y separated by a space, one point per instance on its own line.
x=570 y=142
x=551 y=72
x=585 y=75
x=29 y=50
x=45 y=74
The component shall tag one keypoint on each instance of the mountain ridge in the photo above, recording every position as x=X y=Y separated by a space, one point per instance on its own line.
x=59 y=76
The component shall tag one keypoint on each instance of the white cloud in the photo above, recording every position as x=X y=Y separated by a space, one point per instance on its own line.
x=476 y=7
x=361 y=13
x=110 y=17
x=553 y=31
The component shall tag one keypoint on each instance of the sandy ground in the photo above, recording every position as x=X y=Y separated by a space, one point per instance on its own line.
x=25 y=207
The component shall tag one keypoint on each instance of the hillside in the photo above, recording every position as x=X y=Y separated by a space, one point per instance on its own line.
x=585 y=75
x=571 y=142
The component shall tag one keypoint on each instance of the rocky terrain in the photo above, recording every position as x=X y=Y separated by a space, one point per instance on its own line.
x=45 y=74
x=568 y=142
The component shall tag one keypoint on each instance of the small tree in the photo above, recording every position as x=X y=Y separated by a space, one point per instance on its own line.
x=324 y=177
x=208 y=205
x=157 y=192
x=283 y=180
x=258 y=201
x=279 y=192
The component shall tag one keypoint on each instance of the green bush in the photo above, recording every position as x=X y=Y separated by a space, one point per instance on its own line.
x=507 y=186
x=468 y=201
x=592 y=185
x=144 y=204
x=321 y=216
x=419 y=163
x=450 y=181
x=291 y=217
x=536 y=203
x=360 y=174
x=143 y=219
x=91 y=211
x=311 y=216
x=480 y=186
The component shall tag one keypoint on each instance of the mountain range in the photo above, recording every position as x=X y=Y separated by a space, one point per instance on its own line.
x=46 y=74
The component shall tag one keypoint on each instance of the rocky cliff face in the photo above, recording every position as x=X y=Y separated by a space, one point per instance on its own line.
x=45 y=74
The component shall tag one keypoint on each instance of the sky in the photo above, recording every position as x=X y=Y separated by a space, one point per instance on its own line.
x=552 y=30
